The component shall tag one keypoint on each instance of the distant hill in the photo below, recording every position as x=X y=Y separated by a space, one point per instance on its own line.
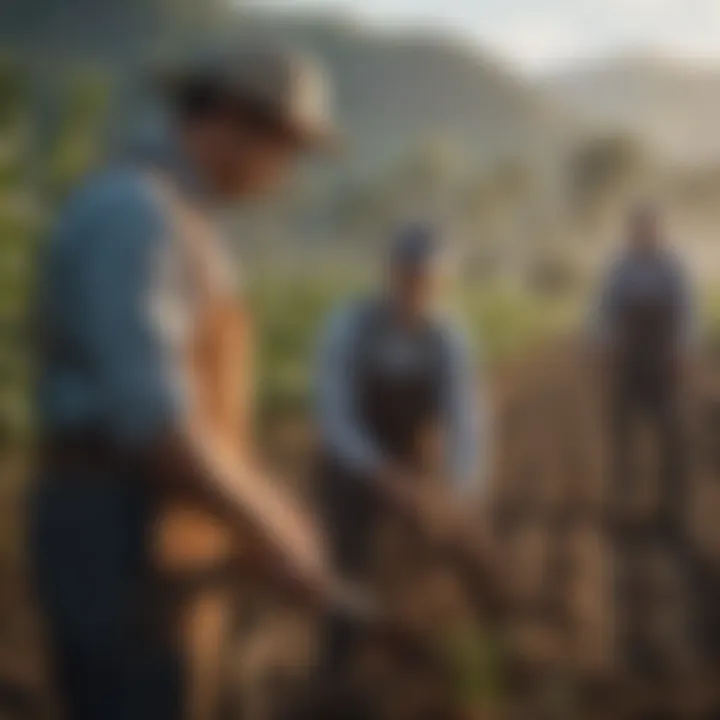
x=102 y=29
x=395 y=91
x=674 y=107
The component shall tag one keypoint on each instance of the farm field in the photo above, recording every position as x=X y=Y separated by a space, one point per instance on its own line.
x=554 y=653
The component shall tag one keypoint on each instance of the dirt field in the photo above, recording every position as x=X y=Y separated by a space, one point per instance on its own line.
x=578 y=577
x=570 y=579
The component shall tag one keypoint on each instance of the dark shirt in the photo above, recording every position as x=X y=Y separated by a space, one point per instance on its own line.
x=645 y=278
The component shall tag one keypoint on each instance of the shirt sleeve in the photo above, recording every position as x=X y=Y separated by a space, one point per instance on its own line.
x=689 y=330
x=467 y=415
x=340 y=426
x=128 y=347
x=602 y=313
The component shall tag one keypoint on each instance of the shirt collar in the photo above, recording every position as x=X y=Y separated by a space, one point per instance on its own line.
x=163 y=151
x=389 y=310
x=652 y=253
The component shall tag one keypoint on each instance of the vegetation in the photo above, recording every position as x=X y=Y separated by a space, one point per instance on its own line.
x=38 y=165
x=522 y=273
x=434 y=128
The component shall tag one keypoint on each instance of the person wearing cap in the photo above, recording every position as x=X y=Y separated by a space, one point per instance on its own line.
x=142 y=398
x=644 y=330
x=644 y=324
x=393 y=373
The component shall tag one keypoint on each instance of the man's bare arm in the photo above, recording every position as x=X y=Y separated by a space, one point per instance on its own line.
x=194 y=466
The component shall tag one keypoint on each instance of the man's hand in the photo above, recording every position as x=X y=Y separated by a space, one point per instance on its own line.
x=399 y=490
x=312 y=583
x=684 y=369
x=285 y=547
x=417 y=503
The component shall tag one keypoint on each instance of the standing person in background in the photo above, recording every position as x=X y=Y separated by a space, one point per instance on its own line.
x=142 y=397
x=645 y=329
x=391 y=372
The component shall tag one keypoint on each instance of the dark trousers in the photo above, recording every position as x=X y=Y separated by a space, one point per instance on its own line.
x=88 y=554
x=351 y=514
x=655 y=403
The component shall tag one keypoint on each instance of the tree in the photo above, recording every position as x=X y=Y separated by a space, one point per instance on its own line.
x=77 y=141
x=31 y=184
x=18 y=226
x=604 y=171
x=105 y=29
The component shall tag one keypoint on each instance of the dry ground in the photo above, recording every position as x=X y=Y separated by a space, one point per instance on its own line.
x=556 y=654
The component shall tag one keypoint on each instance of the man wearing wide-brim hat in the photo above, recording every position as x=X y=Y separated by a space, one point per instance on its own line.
x=143 y=486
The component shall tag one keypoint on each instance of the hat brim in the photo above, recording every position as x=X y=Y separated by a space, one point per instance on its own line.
x=324 y=139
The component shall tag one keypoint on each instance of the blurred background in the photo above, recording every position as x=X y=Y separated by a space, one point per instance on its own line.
x=527 y=128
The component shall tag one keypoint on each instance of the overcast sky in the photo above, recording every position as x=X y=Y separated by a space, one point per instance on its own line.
x=542 y=34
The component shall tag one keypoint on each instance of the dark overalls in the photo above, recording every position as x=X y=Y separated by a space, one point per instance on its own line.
x=396 y=408
x=646 y=389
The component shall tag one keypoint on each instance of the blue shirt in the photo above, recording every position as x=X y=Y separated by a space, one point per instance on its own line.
x=112 y=361
x=465 y=414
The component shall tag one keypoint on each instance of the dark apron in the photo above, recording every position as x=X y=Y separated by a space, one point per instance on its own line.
x=647 y=342
x=646 y=387
x=395 y=409
x=646 y=392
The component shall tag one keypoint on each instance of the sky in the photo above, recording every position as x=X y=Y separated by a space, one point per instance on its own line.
x=543 y=35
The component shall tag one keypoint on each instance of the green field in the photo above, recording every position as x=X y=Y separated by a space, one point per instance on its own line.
x=289 y=316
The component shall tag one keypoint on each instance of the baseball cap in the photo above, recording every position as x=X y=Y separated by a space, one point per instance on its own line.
x=415 y=244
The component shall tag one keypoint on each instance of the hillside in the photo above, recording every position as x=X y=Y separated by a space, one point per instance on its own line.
x=673 y=107
x=101 y=29
x=395 y=91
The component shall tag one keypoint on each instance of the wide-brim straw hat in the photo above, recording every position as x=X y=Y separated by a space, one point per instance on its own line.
x=290 y=88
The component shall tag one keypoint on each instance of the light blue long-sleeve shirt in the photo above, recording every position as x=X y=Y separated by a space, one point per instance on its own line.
x=111 y=315
x=465 y=414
